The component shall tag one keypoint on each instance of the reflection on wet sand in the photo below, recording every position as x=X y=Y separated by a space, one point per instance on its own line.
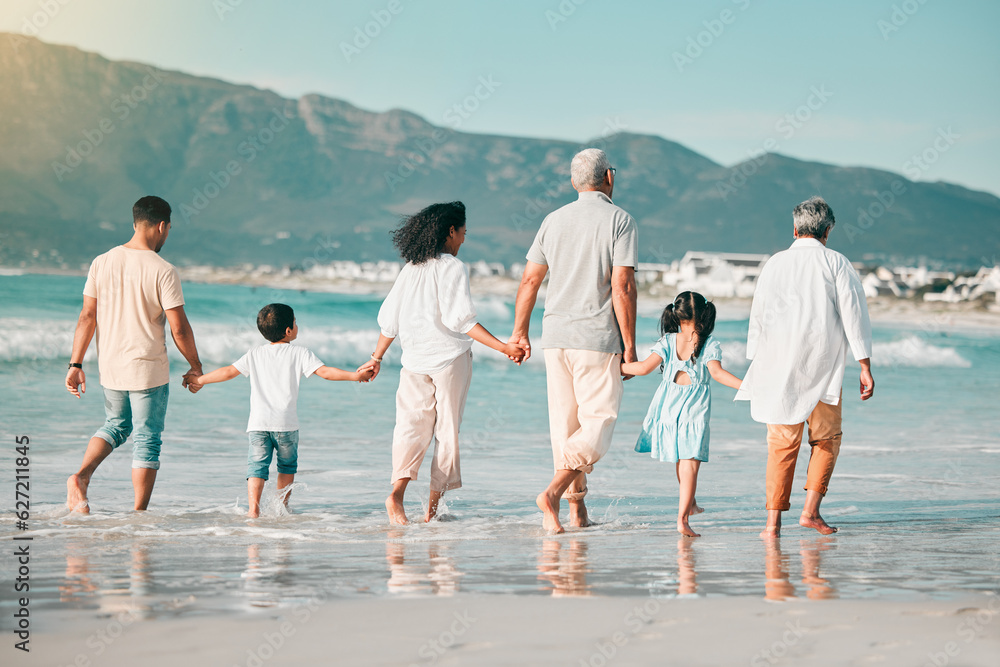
x=564 y=567
x=687 y=578
x=264 y=576
x=408 y=574
x=778 y=586
x=83 y=583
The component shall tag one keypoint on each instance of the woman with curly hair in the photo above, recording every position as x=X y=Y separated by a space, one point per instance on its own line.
x=430 y=310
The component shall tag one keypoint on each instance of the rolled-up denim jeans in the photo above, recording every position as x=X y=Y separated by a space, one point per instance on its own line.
x=263 y=445
x=139 y=413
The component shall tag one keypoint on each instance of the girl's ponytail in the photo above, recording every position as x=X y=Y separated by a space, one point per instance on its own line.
x=669 y=322
x=704 y=324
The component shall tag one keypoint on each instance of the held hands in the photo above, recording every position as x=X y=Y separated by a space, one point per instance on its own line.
x=517 y=351
x=76 y=382
x=628 y=357
x=191 y=378
x=369 y=370
x=518 y=348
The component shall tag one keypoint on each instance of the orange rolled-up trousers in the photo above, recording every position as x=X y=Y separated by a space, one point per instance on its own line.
x=783 y=442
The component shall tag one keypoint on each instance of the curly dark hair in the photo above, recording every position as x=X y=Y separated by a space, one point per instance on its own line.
x=690 y=306
x=421 y=237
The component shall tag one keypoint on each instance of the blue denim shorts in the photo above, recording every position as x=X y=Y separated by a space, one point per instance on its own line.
x=138 y=413
x=264 y=443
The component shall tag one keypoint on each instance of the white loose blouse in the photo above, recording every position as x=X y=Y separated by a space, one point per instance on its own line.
x=430 y=310
x=809 y=311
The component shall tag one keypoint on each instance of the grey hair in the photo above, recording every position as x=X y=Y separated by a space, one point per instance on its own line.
x=813 y=217
x=588 y=168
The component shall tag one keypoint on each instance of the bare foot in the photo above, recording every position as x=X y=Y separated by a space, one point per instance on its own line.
x=395 y=510
x=695 y=509
x=684 y=528
x=76 y=495
x=253 y=513
x=816 y=522
x=550 y=511
x=578 y=517
x=771 y=532
x=431 y=513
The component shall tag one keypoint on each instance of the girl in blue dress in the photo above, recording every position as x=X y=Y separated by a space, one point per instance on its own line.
x=676 y=425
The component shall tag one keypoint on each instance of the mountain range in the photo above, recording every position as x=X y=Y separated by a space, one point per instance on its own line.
x=254 y=177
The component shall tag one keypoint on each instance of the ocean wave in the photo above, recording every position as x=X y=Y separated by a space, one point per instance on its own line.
x=915 y=351
x=24 y=340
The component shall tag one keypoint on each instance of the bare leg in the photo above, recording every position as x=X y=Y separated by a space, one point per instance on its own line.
x=285 y=482
x=578 y=517
x=687 y=470
x=143 y=480
x=76 y=486
x=394 y=503
x=432 y=504
x=255 y=487
x=548 y=500
x=773 y=527
x=695 y=509
x=810 y=514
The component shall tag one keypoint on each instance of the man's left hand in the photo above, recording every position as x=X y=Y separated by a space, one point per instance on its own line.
x=628 y=357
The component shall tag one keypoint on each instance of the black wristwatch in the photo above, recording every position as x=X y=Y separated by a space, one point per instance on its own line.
x=72 y=365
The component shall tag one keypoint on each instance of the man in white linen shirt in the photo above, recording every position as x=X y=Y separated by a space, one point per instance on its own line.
x=808 y=312
x=589 y=248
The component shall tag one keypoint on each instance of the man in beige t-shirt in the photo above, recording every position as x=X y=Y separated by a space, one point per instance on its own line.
x=131 y=292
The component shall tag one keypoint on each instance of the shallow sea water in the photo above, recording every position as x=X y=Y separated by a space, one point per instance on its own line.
x=915 y=493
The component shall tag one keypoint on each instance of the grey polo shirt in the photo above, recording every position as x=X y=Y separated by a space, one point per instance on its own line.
x=581 y=242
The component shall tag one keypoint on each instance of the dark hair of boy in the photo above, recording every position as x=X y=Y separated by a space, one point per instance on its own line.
x=150 y=211
x=274 y=320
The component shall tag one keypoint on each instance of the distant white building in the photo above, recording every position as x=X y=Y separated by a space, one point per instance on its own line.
x=714 y=274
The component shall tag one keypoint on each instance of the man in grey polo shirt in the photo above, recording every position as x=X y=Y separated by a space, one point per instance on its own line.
x=589 y=249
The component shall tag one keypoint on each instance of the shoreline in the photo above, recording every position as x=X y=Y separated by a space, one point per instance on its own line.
x=534 y=630
x=932 y=317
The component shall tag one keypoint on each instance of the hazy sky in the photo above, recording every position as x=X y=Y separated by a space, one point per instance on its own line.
x=872 y=82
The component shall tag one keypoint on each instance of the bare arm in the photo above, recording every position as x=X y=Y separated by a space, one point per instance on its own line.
x=527 y=294
x=651 y=363
x=218 y=375
x=375 y=364
x=623 y=296
x=339 y=375
x=86 y=325
x=722 y=376
x=513 y=350
x=180 y=330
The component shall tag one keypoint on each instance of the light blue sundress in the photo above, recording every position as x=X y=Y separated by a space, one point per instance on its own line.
x=676 y=425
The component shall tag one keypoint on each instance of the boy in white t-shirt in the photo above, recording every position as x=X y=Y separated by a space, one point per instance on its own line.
x=275 y=371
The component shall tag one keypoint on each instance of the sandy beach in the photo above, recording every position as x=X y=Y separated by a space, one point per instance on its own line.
x=492 y=630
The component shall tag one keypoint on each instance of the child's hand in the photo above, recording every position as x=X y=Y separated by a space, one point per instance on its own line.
x=365 y=374
x=515 y=351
